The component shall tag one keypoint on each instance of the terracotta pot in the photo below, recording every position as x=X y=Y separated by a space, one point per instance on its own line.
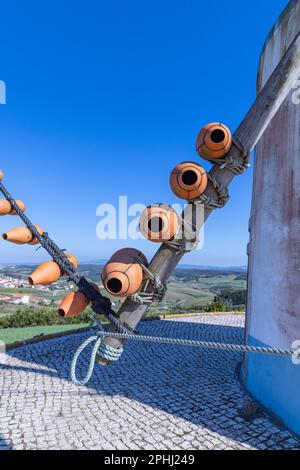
x=21 y=235
x=1 y=175
x=74 y=304
x=214 y=141
x=45 y=274
x=21 y=206
x=5 y=207
x=133 y=252
x=159 y=223
x=188 y=180
x=122 y=276
x=49 y=272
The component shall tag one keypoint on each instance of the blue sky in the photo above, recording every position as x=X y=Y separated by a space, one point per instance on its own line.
x=105 y=98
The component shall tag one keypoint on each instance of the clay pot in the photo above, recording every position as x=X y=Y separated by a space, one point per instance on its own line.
x=21 y=235
x=45 y=274
x=74 y=304
x=136 y=254
x=49 y=272
x=188 y=180
x=5 y=207
x=122 y=276
x=159 y=223
x=214 y=141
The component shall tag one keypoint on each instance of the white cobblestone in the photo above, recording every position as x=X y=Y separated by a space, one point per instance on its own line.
x=155 y=397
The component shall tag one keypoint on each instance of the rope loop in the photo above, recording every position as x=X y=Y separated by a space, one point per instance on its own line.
x=91 y=366
x=101 y=348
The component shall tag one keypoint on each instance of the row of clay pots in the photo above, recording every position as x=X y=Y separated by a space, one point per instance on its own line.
x=49 y=272
x=123 y=275
x=189 y=180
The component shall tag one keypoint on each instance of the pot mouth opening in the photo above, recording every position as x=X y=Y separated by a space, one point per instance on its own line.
x=114 y=285
x=217 y=136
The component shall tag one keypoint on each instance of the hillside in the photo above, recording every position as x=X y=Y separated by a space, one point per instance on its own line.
x=188 y=288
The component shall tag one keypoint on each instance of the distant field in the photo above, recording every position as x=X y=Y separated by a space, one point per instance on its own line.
x=26 y=291
x=10 y=335
x=189 y=288
x=193 y=289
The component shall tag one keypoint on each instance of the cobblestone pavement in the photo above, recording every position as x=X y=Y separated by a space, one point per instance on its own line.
x=155 y=397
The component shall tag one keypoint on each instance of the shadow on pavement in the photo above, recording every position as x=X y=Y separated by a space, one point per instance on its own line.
x=196 y=385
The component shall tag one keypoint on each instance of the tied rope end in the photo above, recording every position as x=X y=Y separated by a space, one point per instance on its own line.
x=101 y=348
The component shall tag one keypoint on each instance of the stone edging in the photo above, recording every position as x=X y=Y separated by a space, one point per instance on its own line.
x=202 y=314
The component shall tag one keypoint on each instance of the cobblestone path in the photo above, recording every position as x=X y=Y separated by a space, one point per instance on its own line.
x=155 y=397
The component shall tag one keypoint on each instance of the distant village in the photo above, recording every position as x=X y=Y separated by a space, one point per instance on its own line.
x=7 y=282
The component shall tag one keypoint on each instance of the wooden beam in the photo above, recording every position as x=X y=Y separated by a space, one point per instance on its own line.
x=249 y=132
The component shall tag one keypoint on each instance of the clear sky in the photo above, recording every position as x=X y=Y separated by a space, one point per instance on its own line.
x=104 y=98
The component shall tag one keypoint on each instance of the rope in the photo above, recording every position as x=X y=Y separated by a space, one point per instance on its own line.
x=91 y=367
x=183 y=246
x=113 y=354
x=211 y=203
x=158 y=291
x=201 y=344
x=99 y=303
x=106 y=351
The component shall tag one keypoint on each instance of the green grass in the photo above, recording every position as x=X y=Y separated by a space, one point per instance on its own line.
x=10 y=335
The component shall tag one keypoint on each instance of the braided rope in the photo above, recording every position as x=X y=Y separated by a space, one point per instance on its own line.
x=158 y=292
x=91 y=367
x=201 y=344
x=183 y=246
x=211 y=203
x=106 y=351
x=113 y=354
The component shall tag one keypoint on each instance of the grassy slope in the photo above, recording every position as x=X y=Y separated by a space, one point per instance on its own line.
x=187 y=293
x=10 y=335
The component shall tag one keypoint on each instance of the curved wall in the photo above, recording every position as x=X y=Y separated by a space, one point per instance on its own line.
x=273 y=313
